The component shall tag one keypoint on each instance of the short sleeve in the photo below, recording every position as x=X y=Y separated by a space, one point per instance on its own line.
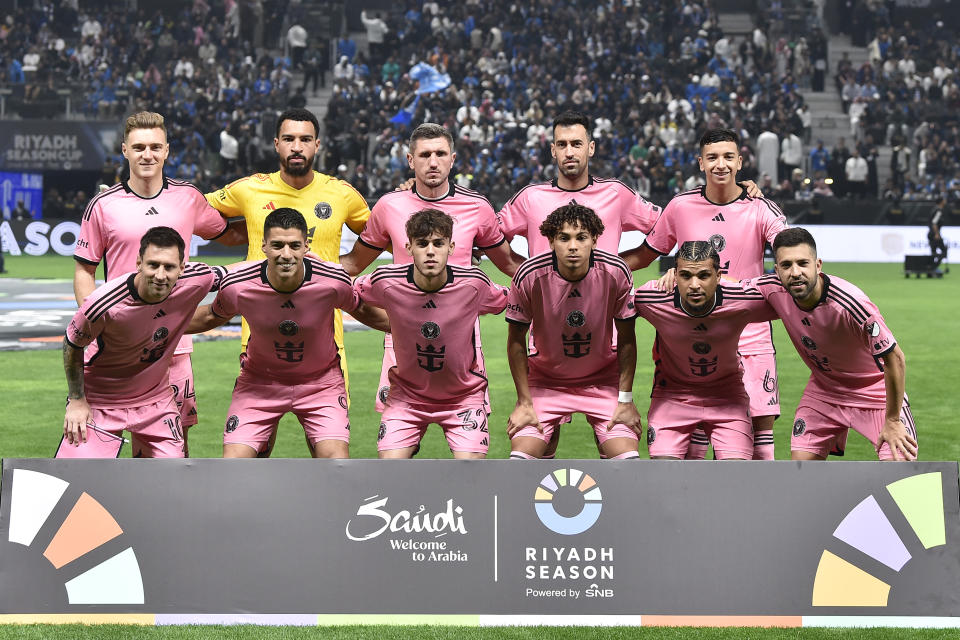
x=90 y=243
x=358 y=212
x=639 y=214
x=625 y=307
x=367 y=291
x=81 y=331
x=773 y=220
x=375 y=234
x=489 y=233
x=512 y=218
x=208 y=223
x=518 y=306
x=229 y=199
x=493 y=298
x=663 y=236
x=226 y=304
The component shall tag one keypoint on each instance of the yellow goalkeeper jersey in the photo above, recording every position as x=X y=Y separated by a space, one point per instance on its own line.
x=327 y=203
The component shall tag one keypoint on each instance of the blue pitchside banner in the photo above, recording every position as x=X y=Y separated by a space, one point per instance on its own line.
x=573 y=537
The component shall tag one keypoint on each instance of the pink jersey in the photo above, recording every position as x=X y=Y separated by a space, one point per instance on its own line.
x=131 y=341
x=573 y=320
x=739 y=230
x=117 y=218
x=841 y=340
x=292 y=333
x=696 y=357
x=433 y=332
x=474 y=223
x=619 y=207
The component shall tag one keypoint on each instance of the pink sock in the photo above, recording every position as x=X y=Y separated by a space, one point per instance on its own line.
x=699 y=443
x=763 y=445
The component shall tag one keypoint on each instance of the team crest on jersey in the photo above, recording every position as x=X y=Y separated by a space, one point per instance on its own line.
x=383 y=432
x=160 y=334
x=873 y=329
x=799 y=426
x=718 y=241
x=232 y=423
x=701 y=348
x=808 y=343
x=323 y=210
x=430 y=330
x=576 y=319
x=651 y=435
x=383 y=393
x=343 y=401
x=288 y=328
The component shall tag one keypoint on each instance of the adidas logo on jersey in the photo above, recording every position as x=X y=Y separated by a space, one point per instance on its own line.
x=430 y=305
x=772 y=402
x=805 y=322
x=288 y=305
x=700 y=327
x=269 y=206
x=718 y=218
x=160 y=314
x=485 y=442
x=574 y=294
x=152 y=212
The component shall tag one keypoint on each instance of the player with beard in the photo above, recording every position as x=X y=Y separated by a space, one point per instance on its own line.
x=857 y=369
x=326 y=202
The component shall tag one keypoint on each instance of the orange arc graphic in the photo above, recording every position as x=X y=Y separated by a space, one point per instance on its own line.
x=586 y=483
x=87 y=527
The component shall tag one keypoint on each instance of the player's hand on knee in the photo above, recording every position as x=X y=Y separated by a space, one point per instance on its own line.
x=668 y=280
x=626 y=414
x=522 y=416
x=903 y=446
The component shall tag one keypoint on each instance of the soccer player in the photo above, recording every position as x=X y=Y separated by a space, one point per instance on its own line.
x=738 y=226
x=291 y=362
x=697 y=380
x=573 y=296
x=431 y=157
x=116 y=219
x=327 y=203
x=433 y=308
x=856 y=366
x=130 y=327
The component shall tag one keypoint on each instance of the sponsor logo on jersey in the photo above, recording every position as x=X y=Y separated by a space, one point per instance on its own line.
x=160 y=314
x=718 y=218
x=430 y=305
x=152 y=211
x=576 y=346
x=288 y=305
x=431 y=358
x=703 y=367
x=269 y=206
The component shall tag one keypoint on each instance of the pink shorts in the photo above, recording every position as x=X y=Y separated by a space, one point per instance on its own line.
x=464 y=426
x=390 y=361
x=760 y=381
x=596 y=403
x=155 y=430
x=821 y=427
x=671 y=422
x=257 y=406
x=184 y=391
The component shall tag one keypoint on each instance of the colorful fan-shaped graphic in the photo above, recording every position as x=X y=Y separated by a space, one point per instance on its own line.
x=87 y=527
x=589 y=491
x=840 y=583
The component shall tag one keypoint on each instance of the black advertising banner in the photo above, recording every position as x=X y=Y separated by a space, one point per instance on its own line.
x=442 y=537
x=45 y=145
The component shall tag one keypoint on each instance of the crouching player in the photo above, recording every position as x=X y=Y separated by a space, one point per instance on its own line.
x=573 y=295
x=130 y=328
x=433 y=308
x=291 y=362
x=856 y=367
x=697 y=379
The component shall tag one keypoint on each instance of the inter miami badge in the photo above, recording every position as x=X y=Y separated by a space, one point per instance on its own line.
x=719 y=242
x=232 y=423
x=323 y=210
x=288 y=328
x=576 y=319
x=430 y=330
x=160 y=334
x=799 y=427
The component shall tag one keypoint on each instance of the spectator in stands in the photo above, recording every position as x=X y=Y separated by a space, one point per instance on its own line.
x=377 y=30
x=297 y=42
x=856 y=170
x=938 y=248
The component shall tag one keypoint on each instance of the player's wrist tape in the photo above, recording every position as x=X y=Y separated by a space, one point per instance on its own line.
x=625 y=396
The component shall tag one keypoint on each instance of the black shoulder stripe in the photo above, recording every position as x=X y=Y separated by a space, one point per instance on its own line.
x=846 y=295
x=529 y=186
x=691 y=192
x=846 y=306
x=465 y=272
x=236 y=278
x=773 y=207
x=329 y=271
x=470 y=193
x=623 y=184
x=389 y=271
x=89 y=210
x=535 y=262
x=184 y=183
x=613 y=261
x=527 y=269
x=108 y=301
x=239 y=273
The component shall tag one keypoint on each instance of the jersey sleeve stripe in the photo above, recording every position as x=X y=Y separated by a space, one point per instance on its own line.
x=773 y=207
x=103 y=194
x=517 y=322
x=85 y=261
x=647 y=244
x=367 y=244
x=531 y=266
x=492 y=246
x=470 y=193
x=853 y=311
x=328 y=271
x=612 y=260
x=104 y=304
x=236 y=278
x=529 y=186
x=846 y=295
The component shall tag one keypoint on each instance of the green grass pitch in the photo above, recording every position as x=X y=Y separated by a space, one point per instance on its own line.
x=921 y=313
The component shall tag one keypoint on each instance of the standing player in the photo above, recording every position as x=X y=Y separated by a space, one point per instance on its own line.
x=433 y=309
x=697 y=381
x=116 y=219
x=431 y=157
x=843 y=339
x=291 y=363
x=739 y=227
x=573 y=296
x=130 y=327
x=328 y=203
